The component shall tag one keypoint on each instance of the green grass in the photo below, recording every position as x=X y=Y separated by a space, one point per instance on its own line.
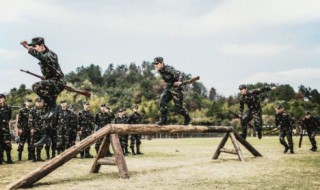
x=185 y=164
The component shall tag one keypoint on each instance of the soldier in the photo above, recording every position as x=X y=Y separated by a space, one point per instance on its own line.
x=23 y=128
x=311 y=124
x=62 y=121
x=123 y=119
x=86 y=126
x=135 y=139
x=73 y=127
x=251 y=99
x=36 y=122
x=5 y=137
x=284 y=123
x=103 y=118
x=173 y=91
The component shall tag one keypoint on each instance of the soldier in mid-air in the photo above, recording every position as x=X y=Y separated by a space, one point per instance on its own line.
x=5 y=136
x=23 y=128
x=311 y=124
x=173 y=91
x=135 y=140
x=86 y=126
x=284 y=123
x=251 y=99
x=123 y=119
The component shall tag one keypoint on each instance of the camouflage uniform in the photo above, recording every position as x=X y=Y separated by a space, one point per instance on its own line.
x=285 y=123
x=102 y=119
x=311 y=125
x=36 y=123
x=73 y=128
x=63 y=122
x=171 y=92
x=123 y=138
x=23 y=118
x=51 y=132
x=254 y=112
x=5 y=136
x=86 y=126
x=135 y=139
x=50 y=88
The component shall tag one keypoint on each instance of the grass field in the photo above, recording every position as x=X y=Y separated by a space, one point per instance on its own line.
x=186 y=164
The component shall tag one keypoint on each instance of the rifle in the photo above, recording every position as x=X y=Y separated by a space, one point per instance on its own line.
x=16 y=137
x=238 y=117
x=68 y=88
x=186 y=82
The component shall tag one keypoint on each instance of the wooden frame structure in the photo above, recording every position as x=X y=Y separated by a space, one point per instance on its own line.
x=114 y=130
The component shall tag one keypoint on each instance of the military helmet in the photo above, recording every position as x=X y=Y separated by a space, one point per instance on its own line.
x=86 y=103
x=36 y=41
x=307 y=112
x=157 y=60
x=63 y=101
x=2 y=96
x=103 y=105
x=38 y=99
x=280 y=107
x=28 y=100
x=242 y=86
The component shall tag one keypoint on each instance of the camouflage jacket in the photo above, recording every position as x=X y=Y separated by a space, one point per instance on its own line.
x=36 y=118
x=170 y=76
x=103 y=119
x=284 y=121
x=63 y=119
x=311 y=124
x=121 y=120
x=135 y=118
x=251 y=99
x=5 y=115
x=50 y=67
x=85 y=121
x=73 y=122
x=23 y=118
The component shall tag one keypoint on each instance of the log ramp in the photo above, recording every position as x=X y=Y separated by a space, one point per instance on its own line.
x=115 y=129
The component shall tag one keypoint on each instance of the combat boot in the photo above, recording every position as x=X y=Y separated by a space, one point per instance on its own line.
x=291 y=150
x=39 y=156
x=29 y=155
x=132 y=150
x=187 y=119
x=138 y=150
x=9 y=160
x=109 y=154
x=53 y=154
x=259 y=134
x=87 y=154
x=286 y=149
x=82 y=155
x=127 y=151
x=19 y=156
x=48 y=154
x=1 y=157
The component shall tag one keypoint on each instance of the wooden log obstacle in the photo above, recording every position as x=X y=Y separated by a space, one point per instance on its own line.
x=115 y=129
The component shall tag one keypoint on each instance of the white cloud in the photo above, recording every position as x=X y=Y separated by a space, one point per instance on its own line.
x=10 y=54
x=254 y=49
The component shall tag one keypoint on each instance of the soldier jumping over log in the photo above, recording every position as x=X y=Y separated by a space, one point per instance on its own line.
x=251 y=99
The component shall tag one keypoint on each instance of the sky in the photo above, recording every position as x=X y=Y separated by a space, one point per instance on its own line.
x=225 y=42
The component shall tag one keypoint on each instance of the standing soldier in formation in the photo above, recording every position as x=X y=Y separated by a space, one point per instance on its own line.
x=86 y=126
x=123 y=119
x=73 y=127
x=5 y=136
x=135 y=139
x=173 y=91
x=63 y=121
x=311 y=124
x=251 y=99
x=36 y=122
x=102 y=119
x=284 y=123
x=23 y=128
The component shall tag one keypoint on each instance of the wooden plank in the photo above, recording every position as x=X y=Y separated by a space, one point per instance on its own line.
x=228 y=151
x=237 y=147
x=118 y=153
x=221 y=145
x=101 y=153
x=103 y=161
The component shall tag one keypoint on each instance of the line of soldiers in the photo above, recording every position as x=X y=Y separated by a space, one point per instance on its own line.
x=284 y=122
x=63 y=131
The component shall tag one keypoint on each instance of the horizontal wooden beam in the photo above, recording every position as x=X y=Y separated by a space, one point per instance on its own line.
x=228 y=151
x=103 y=161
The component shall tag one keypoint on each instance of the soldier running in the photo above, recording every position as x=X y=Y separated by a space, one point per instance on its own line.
x=23 y=129
x=251 y=99
x=173 y=91
x=311 y=124
x=5 y=136
x=284 y=123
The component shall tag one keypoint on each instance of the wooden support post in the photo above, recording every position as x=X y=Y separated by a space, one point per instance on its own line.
x=221 y=145
x=236 y=146
x=102 y=152
x=118 y=153
x=246 y=144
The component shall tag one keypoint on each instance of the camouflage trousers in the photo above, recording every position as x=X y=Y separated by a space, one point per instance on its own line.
x=124 y=141
x=135 y=140
x=72 y=137
x=85 y=134
x=53 y=144
x=288 y=134
x=247 y=117
x=312 y=137
x=5 y=138
x=99 y=142
x=35 y=137
x=176 y=95
x=63 y=140
x=49 y=90
x=24 y=138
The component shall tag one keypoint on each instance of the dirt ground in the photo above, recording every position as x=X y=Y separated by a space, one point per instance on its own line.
x=186 y=164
